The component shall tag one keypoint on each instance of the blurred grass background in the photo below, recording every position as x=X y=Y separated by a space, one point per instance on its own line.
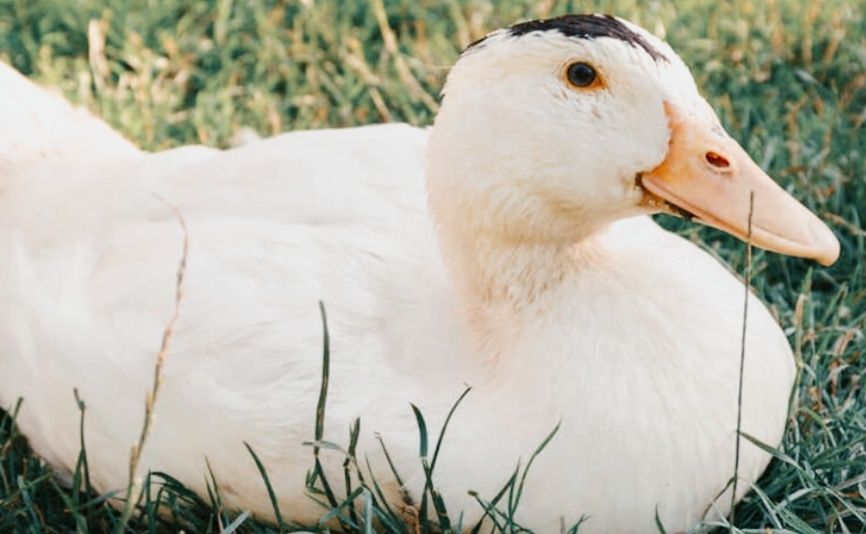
x=787 y=77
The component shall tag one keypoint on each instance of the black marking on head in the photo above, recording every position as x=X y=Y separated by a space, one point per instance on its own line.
x=476 y=44
x=585 y=27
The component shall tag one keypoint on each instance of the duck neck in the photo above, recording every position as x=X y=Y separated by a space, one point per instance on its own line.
x=498 y=280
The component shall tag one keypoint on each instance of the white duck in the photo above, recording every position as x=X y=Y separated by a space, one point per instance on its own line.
x=528 y=269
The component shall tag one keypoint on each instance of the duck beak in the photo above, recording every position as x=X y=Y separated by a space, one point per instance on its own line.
x=708 y=176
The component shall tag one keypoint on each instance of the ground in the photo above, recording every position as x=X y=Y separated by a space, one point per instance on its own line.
x=787 y=77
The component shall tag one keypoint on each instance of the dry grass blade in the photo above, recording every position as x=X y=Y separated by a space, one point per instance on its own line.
x=133 y=489
x=403 y=69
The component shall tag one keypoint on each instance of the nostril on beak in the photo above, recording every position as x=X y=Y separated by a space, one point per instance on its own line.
x=717 y=160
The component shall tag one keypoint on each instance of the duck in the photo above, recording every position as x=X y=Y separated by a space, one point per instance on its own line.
x=510 y=247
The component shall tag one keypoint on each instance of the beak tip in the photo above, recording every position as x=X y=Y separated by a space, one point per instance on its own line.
x=828 y=249
x=830 y=254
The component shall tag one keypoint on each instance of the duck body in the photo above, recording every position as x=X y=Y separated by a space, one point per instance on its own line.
x=640 y=414
x=440 y=264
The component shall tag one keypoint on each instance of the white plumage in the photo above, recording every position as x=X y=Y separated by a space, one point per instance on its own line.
x=541 y=284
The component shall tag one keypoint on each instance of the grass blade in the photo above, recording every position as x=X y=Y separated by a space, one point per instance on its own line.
x=275 y=505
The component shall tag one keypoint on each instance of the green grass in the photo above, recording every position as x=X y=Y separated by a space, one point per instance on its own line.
x=788 y=79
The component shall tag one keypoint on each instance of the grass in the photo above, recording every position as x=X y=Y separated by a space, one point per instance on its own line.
x=788 y=79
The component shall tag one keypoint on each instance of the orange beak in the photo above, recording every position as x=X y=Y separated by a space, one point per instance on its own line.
x=708 y=175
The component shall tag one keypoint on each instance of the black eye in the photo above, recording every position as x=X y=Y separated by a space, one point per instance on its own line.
x=581 y=74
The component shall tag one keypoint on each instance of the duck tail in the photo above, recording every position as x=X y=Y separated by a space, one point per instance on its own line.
x=36 y=123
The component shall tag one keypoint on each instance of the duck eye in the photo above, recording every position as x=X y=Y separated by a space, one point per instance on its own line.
x=581 y=74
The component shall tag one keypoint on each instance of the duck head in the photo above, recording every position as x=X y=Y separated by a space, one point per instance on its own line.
x=552 y=129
